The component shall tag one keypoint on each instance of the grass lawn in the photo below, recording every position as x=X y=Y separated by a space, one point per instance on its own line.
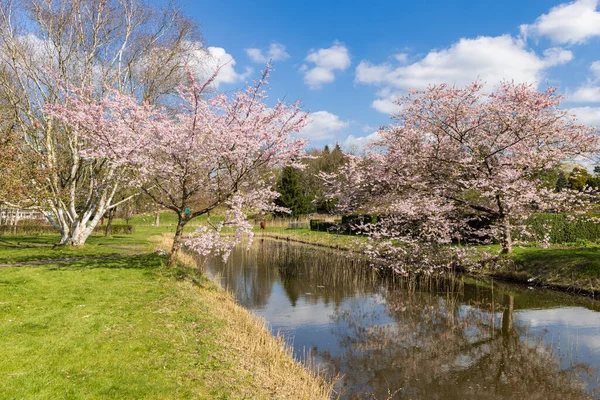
x=129 y=328
x=311 y=237
x=106 y=329
x=41 y=247
x=576 y=268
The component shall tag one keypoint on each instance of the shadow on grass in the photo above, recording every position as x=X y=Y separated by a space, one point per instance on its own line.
x=29 y=241
x=139 y=261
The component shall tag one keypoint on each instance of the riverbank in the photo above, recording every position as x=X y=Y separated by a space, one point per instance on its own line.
x=574 y=269
x=121 y=325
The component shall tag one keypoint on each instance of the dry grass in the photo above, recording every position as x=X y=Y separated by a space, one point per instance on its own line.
x=265 y=362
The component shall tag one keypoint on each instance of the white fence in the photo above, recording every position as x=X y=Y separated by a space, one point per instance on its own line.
x=11 y=216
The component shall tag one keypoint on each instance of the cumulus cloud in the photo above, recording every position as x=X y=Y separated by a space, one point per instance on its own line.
x=589 y=92
x=326 y=62
x=356 y=144
x=490 y=59
x=276 y=52
x=587 y=115
x=586 y=94
x=401 y=57
x=567 y=23
x=212 y=58
x=323 y=125
x=595 y=68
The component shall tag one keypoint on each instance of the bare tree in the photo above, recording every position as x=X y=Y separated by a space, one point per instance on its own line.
x=46 y=45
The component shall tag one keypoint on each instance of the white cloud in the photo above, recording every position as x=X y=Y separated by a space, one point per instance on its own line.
x=490 y=59
x=368 y=128
x=586 y=94
x=595 y=68
x=557 y=56
x=571 y=23
x=218 y=57
x=587 y=115
x=385 y=106
x=356 y=145
x=401 y=57
x=323 y=125
x=589 y=92
x=326 y=62
x=276 y=52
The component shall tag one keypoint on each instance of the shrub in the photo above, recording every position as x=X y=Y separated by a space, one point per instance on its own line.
x=118 y=229
x=564 y=229
x=351 y=221
x=46 y=229
x=323 y=226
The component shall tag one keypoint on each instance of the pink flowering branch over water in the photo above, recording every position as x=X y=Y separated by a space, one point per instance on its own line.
x=458 y=155
x=208 y=150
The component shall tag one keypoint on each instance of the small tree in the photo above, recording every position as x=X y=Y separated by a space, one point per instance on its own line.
x=578 y=178
x=292 y=195
x=214 y=151
x=561 y=182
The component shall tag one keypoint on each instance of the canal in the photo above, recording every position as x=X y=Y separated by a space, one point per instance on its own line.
x=392 y=338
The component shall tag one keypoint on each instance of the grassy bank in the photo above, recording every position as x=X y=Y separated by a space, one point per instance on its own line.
x=127 y=327
x=570 y=268
x=324 y=239
x=574 y=268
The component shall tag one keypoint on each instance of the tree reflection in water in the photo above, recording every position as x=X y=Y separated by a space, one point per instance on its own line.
x=431 y=338
x=434 y=347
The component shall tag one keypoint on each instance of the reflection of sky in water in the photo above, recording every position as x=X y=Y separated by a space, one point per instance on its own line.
x=309 y=319
x=312 y=323
x=573 y=332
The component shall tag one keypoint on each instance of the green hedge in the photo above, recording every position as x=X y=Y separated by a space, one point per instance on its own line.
x=43 y=229
x=350 y=221
x=323 y=226
x=563 y=229
x=118 y=229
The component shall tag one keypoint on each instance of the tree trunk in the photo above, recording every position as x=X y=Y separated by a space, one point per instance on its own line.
x=111 y=216
x=506 y=239
x=64 y=237
x=507 y=316
x=157 y=219
x=182 y=220
x=506 y=236
x=80 y=234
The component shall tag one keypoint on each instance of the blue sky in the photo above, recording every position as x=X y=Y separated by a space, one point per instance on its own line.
x=347 y=60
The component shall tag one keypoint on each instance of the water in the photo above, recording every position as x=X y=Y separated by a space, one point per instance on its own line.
x=457 y=338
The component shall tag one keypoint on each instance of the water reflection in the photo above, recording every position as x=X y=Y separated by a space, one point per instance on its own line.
x=435 y=339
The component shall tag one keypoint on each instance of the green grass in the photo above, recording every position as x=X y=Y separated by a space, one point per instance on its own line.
x=129 y=328
x=311 y=237
x=107 y=329
x=29 y=248
x=17 y=248
x=576 y=268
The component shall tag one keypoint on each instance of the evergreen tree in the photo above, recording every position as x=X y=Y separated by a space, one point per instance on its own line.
x=561 y=182
x=292 y=195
